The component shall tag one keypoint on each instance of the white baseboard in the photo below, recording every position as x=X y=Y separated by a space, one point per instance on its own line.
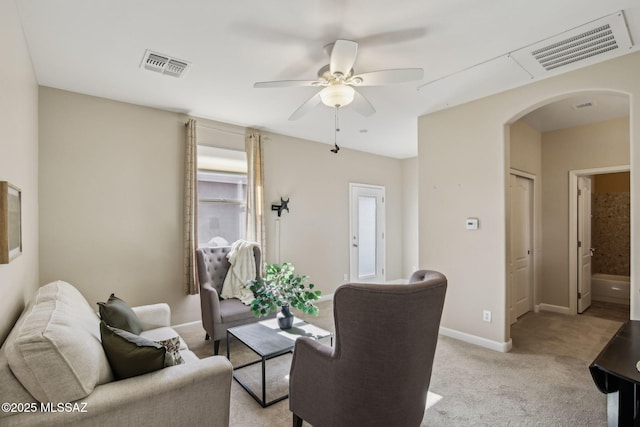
x=187 y=324
x=397 y=282
x=327 y=297
x=552 y=308
x=503 y=347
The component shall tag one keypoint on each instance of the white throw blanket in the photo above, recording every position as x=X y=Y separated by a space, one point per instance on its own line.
x=242 y=271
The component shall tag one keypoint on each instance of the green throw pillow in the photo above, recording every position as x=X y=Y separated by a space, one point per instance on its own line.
x=116 y=313
x=173 y=356
x=130 y=355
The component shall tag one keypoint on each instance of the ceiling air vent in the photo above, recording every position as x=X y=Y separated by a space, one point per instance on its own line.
x=164 y=64
x=590 y=43
x=581 y=105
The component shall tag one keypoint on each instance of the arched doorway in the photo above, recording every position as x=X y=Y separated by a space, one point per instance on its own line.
x=577 y=131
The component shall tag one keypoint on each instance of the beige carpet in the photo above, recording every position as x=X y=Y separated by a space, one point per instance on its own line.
x=543 y=381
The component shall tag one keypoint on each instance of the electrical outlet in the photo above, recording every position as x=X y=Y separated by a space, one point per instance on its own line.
x=346 y=277
x=486 y=316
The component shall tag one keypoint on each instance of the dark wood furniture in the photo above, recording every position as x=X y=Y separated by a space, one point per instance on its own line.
x=615 y=374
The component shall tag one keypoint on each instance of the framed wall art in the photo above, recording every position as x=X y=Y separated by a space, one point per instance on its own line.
x=10 y=222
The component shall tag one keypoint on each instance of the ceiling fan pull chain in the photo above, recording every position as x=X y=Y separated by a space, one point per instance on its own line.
x=336 y=129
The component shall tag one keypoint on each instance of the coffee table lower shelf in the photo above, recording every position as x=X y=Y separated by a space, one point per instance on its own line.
x=263 y=361
x=268 y=341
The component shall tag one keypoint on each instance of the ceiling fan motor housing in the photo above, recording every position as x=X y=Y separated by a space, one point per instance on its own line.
x=324 y=73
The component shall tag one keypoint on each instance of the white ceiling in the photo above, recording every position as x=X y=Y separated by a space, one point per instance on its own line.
x=96 y=47
x=595 y=107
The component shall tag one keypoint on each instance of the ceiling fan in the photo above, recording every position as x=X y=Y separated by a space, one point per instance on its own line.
x=338 y=81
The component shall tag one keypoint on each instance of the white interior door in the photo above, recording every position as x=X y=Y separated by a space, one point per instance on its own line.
x=367 y=233
x=584 y=243
x=521 y=254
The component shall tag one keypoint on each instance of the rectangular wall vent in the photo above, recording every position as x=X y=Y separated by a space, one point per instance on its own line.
x=164 y=64
x=594 y=42
x=581 y=105
x=577 y=48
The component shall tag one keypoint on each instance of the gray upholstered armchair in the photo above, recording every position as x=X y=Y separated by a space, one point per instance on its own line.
x=379 y=371
x=218 y=315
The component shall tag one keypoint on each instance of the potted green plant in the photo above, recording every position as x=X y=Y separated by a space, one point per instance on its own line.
x=281 y=288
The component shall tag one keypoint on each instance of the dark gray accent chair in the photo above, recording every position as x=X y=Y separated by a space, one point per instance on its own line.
x=379 y=371
x=218 y=315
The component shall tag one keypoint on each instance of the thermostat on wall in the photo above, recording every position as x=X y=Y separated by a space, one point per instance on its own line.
x=472 y=223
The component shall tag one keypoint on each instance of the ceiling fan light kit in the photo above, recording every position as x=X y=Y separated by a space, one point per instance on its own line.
x=337 y=95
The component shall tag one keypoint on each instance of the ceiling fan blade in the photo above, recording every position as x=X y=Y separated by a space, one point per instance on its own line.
x=392 y=37
x=309 y=105
x=343 y=56
x=287 y=83
x=362 y=105
x=387 y=77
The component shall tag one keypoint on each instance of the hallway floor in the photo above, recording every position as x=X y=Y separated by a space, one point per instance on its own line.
x=608 y=310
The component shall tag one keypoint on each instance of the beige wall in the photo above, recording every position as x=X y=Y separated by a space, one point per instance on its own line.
x=410 y=215
x=585 y=147
x=463 y=171
x=110 y=200
x=525 y=148
x=314 y=235
x=18 y=161
x=525 y=155
x=462 y=174
x=111 y=197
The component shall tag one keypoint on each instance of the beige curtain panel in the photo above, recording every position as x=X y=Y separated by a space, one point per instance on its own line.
x=255 y=190
x=190 y=282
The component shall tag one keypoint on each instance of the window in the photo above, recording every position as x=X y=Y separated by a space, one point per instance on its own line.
x=222 y=196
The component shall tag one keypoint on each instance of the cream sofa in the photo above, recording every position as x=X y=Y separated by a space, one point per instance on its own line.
x=53 y=371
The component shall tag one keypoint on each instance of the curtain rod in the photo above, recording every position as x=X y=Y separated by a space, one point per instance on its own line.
x=218 y=129
x=224 y=130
